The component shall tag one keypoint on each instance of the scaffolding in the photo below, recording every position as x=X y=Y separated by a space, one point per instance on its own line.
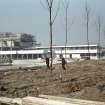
x=4 y=59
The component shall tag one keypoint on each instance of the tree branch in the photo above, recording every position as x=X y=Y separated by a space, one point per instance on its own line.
x=56 y=12
x=48 y=4
x=51 y=3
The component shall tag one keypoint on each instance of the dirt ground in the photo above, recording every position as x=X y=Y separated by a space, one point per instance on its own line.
x=82 y=79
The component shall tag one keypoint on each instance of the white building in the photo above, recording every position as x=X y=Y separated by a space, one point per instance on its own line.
x=71 y=52
x=76 y=51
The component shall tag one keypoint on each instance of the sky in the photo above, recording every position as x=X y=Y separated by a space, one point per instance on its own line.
x=29 y=16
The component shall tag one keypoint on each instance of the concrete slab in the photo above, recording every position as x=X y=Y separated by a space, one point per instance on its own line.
x=10 y=101
x=47 y=100
x=52 y=100
x=42 y=101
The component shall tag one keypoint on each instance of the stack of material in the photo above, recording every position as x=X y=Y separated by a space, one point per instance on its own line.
x=51 y=100
x=10 y=101
x=42 y=101
x=46 y=100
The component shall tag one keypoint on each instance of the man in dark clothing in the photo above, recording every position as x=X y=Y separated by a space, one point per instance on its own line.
x=47 y=62
x=63 y=64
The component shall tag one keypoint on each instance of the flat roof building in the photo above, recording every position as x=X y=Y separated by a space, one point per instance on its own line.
x=71 y=52
x=22 y=46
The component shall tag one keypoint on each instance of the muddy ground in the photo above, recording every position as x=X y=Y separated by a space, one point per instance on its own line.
x=82 y=79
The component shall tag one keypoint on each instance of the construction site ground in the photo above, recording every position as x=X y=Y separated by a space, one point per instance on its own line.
x=81 y=80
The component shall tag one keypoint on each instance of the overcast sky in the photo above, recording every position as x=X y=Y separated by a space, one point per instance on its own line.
x=30 y=17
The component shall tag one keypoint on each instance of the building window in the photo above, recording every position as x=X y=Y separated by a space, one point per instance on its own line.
x=93 y=54
x=40 y=55
x=34 y=56
x=29 y=56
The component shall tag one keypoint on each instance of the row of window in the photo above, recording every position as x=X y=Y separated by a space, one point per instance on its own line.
x=82 y=55
x=88 y=54
x=35 y=56
x=24 y=56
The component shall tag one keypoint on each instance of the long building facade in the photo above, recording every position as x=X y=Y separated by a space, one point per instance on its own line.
x=79 y=51
x=23 y=47
x=71 y=52
x=76 y=51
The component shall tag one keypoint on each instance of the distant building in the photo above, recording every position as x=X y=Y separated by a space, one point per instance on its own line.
x=72 y=52
x=11 y=43
x=22 y=46
x=10 y=40
x=77 y=51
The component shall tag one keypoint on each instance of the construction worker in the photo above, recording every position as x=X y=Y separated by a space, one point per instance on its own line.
x=63 y=64
x=47 y=62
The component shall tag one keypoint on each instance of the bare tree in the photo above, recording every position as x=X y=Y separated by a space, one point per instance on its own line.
x=66 y=7
x=99 y=25
x=52 y=17
x=87 y=17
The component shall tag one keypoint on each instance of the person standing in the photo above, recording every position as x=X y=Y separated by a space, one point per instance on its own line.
x=63 y=64
x=47 y=62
